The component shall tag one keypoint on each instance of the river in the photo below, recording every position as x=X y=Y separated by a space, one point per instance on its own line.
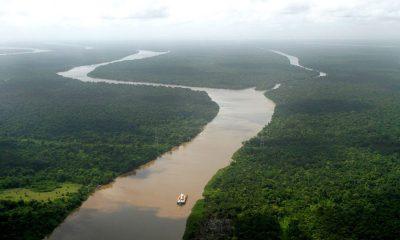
x=293 y=60
x=142 y=204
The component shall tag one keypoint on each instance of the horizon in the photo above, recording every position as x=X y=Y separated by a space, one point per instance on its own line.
x=171 y=20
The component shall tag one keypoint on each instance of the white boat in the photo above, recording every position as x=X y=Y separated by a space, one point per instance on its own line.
x=182 y=199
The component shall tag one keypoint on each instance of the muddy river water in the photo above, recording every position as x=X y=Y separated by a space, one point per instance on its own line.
x=142 y=204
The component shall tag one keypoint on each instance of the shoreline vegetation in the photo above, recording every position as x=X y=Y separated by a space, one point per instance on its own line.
x=327 y=165
x=61 y=139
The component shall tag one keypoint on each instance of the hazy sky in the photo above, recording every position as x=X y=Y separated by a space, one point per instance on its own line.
x=203 y=19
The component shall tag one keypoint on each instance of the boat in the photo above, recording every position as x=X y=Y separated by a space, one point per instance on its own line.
x=182 y=199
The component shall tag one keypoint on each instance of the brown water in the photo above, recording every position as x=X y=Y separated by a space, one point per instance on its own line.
x=142 y=204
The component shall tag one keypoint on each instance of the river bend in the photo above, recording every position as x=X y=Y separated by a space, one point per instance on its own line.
x=142 y=204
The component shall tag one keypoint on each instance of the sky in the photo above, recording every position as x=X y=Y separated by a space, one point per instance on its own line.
x=23 y=20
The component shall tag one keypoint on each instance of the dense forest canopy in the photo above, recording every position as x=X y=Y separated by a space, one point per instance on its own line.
x=326 y=167
x=217 y=66
x=60 y=138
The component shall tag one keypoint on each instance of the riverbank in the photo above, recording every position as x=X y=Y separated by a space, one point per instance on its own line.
x=293 y=60
x=56 y=130
x=147 y=196
x=326 y=167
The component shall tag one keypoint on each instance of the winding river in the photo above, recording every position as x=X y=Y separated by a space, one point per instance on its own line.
x=293 y=60
x=142 y=204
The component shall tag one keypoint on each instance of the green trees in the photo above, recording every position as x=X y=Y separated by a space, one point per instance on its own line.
x=34 y=219
x=55 y=130
x=257 y=225
x=216 y=66
x=328 y=167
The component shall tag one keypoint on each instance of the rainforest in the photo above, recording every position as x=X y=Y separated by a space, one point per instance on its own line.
x=281 y=151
